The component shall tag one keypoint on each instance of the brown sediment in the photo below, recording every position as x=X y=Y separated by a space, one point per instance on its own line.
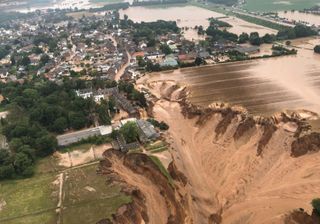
x=305 y=144
x=217 y=179
x=154 y=200
x=299 y=216
x=244 y=126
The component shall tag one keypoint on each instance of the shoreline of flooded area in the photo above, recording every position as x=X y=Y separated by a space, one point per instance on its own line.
x=296 y=16
x=263 y=86
x=191 y=16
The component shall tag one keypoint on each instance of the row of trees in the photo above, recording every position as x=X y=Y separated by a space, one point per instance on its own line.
x=254 y=37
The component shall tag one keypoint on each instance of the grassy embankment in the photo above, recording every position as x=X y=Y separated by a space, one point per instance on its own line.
x=162 y=169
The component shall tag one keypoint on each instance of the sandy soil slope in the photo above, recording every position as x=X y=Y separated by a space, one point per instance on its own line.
x=227 y=167
x=227 y=177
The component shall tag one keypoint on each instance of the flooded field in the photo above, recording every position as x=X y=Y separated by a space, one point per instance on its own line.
x=262 y=86
x=190 y=16
x=311 y=19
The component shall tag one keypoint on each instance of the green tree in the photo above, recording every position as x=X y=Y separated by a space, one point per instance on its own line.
x=103 y=114
x=24 y=60
x=60 y=124
x=243 y=38
x=77 y=120
x=23 y=165
x=44 y=59
x=198 y=61
x=46 y=145
x=255 y=38
x=317 y=49
x=316 y=205
x=6 y=164
x=165 y=49
x=129 y=132
x=37 y=50
x=267 y=38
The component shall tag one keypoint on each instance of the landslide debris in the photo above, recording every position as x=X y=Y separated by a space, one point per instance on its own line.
x=305 y=144
x=299 y=216
x=154 y=200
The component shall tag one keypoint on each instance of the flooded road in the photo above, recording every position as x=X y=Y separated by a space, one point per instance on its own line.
x=262 y=86
x=190 y=16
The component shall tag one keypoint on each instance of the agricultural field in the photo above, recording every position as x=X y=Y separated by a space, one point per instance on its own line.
x=29 y=201
x=278 y=5
x=84 y=196
x=88 y=197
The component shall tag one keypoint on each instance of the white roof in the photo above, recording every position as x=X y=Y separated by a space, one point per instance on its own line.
x=124 y=121
x=105 y=130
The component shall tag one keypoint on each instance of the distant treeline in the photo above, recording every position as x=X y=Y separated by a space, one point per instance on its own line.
x=224 y=2
x=7 y=16
x=164 y=2
x=115 y=6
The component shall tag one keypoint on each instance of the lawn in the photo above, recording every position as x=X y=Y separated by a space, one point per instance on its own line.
x=28 y=196
x=279 y=5
x=89 y=197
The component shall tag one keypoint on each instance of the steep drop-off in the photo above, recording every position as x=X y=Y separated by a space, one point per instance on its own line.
x=228 y=167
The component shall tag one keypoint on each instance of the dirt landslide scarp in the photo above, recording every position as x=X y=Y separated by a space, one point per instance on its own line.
x=227 y=167
x=154 y=200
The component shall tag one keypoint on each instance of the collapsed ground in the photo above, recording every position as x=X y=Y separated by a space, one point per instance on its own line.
x=226 y=169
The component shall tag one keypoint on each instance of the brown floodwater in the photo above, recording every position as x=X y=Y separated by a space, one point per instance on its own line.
x=312 y=19
x=190 y=16
x=263 y=86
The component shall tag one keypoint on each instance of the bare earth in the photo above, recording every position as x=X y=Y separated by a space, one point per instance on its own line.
x=227 y=177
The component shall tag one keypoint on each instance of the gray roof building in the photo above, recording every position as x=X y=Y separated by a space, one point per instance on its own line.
x=73 y=137
x=147 y=130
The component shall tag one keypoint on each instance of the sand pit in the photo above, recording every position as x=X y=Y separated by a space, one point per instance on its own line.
x=80 y=156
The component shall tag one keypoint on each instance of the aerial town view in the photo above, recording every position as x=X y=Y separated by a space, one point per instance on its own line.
x=159 y=111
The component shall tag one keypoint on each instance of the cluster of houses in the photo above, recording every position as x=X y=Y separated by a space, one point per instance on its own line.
x=105 y=94
x=77 y=49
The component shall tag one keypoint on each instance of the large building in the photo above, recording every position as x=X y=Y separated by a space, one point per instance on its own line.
x=73 y=137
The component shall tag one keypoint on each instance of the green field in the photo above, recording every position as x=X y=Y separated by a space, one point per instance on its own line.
x=279 y=5
x=87 y=199
x=36 y=196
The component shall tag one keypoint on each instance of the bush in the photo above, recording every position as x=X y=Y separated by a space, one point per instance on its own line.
x=129 y=132
x=317 y=49
x=316 y=205
x=161 y=125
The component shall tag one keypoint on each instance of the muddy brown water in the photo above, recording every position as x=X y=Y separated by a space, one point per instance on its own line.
x=312 y=19
x=263 y=86
x=190 y=16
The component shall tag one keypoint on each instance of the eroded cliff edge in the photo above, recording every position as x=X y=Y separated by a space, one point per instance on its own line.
x=228 y=166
